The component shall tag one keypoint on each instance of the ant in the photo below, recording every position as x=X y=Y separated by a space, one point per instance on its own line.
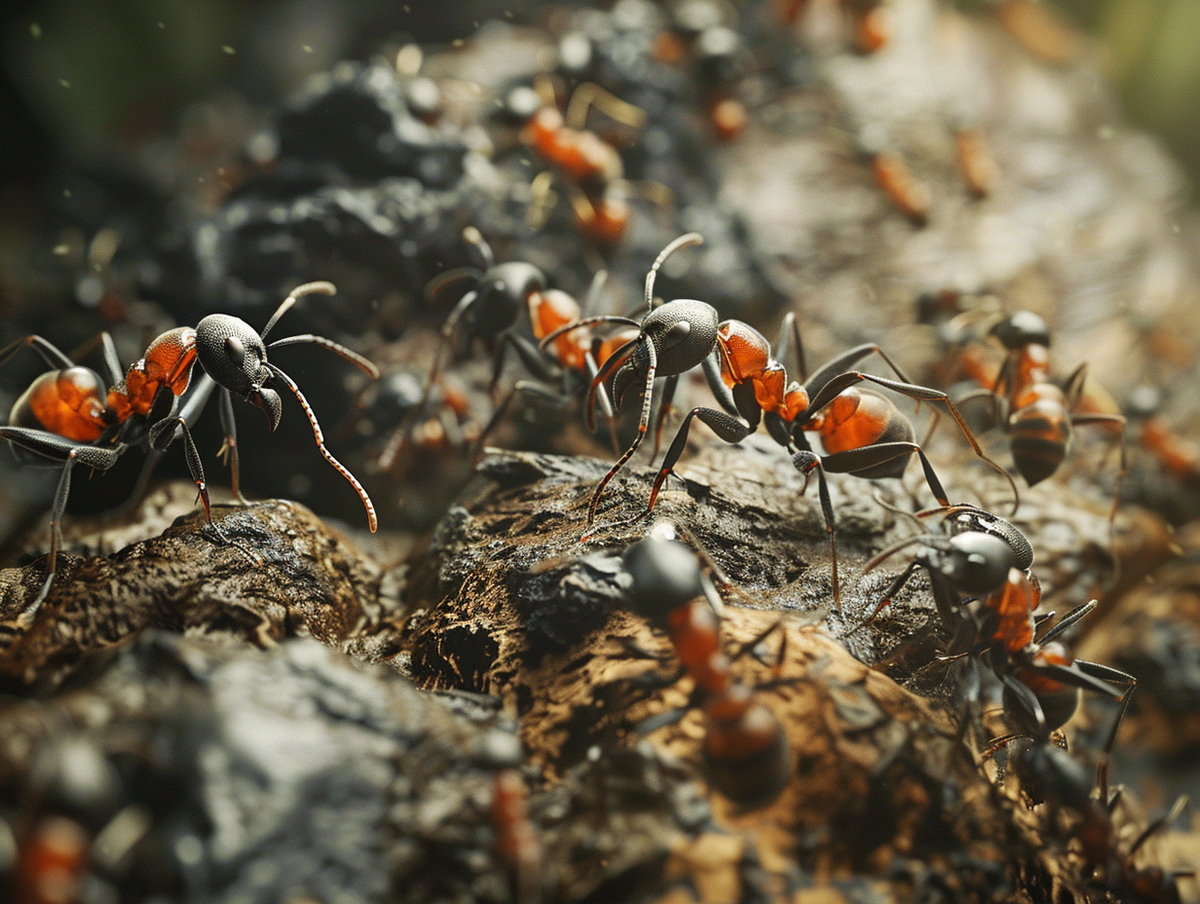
x=67 y=418
x=983 y=588
x=745 y=752
x=570 y=358
x=1036 y=413
x=490 y=312
x=862 y=432
x=586 y=161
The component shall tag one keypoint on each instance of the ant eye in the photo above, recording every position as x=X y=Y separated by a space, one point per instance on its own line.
x=235 y=350
x=676 y=334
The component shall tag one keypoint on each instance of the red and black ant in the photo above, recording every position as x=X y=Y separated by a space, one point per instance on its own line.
x=587 y=162
x=1035 y=412
x=746 y=754
x=862 y=432
x=490 y=312
x=985 y=593
x=66 y=417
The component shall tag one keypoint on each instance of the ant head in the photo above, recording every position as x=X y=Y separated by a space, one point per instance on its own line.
x=233 y=354
x=974 y=519
x=665 y=574
x=1020 y=329
x=684 y=333
x=976 y=563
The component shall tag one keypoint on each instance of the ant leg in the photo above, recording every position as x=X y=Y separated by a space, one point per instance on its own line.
x=838 y=366
x=111 y=360
x=806 y=462
x=643 y=422
x=49 y=353
x=1119 y=678
x=605 y=403
x=921 y=393
x=664 y=409
x=521 y=387
x=53 y=447
x=161 y=436
x=852 y=461
x=229 y=451
x=533 y=359
x=712 y=376
x=1067 y=621
x=190 y=413
x=392 y=450
x=893 y=588
x=727 y=427
x=789 y=334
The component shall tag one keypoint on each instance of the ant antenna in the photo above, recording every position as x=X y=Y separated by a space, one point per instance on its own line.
x=310 y=288
x=372 y=521
x=927 y=539
x=691 y=238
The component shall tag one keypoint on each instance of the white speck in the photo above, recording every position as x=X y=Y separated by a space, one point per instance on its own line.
x=35 y=30
x=64 y=83
x=225 y=48
x=307 y=48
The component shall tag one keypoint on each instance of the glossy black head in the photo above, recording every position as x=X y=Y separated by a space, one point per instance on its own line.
x=684 y=333
x=1020 y=329
x=232 y=353
x=665 y=575
x=974 y=519
x=976 y=563
x=503 y=291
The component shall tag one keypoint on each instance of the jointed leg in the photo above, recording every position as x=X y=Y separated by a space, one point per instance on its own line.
x=807 y=462
x=724 y=425
x=643 y=422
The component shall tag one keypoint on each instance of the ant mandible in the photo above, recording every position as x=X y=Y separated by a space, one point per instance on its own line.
x=746 y=754
x=67 y=418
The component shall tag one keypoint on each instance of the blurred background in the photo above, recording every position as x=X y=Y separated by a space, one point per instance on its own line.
x=82 y=75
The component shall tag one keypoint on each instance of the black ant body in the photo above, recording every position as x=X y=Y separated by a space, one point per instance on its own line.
x=746 y=755
x=67 y=418
x=863 y=433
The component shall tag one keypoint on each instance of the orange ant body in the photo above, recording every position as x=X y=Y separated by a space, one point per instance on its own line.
x=745 y=752
x=910 y=195
x=586 y=161
x=67 y=418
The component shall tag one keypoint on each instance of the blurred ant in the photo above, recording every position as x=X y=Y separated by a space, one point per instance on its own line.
x=909 y=194
x=862 y=432
x=1036 y=413
x=700 y=36
x=745 y=751
x=869 y=21
x=517 y=843
x=66 y=417
x=586 y=161
x=975 y=161
x=490 y=312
